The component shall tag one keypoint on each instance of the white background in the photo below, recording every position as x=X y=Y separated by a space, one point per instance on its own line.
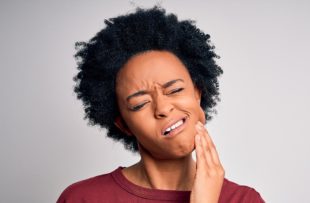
x=261 y=130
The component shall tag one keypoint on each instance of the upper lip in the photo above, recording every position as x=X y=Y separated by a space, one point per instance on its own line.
x=172 y=122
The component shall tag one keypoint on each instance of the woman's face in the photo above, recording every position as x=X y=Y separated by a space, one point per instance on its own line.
x=159 y=104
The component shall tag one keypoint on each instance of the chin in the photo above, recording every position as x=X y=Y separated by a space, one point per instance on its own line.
x=181 y=149
x=184 y=151
x=175 y=154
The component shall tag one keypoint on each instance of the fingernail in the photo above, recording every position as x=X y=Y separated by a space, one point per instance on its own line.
x=198 y=127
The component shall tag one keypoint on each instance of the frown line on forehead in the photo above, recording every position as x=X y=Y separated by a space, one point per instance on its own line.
x=165 y=85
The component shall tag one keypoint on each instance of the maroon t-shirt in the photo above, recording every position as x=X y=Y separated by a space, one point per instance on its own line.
x=114 y=187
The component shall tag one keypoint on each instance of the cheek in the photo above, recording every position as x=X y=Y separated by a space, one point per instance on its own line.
x=194 y=107
x=140 y=126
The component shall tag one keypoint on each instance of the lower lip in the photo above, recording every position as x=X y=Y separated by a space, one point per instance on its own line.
x=177 y=130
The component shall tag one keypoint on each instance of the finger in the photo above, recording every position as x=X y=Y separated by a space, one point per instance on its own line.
x=199 y=151
x=212 y=148
x=205 y=147
x=206 y=134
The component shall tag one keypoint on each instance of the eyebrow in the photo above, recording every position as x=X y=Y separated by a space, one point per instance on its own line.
x=143 y=92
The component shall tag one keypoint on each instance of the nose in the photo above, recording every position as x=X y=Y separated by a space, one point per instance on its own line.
x=163 y=106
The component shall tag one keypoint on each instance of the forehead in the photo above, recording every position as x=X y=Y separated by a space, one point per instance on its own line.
x=149 y=68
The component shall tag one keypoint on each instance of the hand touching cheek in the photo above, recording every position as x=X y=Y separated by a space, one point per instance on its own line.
x=209 y=171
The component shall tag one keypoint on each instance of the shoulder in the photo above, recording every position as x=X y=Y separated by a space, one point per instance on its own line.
x=88 y=188
x=233 y=192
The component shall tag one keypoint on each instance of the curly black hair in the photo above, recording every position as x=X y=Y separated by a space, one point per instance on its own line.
x=100 y=59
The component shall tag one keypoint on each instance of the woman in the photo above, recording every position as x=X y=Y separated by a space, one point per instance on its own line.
x=152 y=82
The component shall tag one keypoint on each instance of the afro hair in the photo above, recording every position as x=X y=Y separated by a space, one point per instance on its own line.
x=100 y=59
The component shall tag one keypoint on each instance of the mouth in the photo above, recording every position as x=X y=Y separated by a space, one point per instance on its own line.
x=174 y=128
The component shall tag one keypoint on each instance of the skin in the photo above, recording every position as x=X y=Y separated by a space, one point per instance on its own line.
x=154 y=90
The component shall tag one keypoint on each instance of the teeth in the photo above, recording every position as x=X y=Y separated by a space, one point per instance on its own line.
x=173 y=127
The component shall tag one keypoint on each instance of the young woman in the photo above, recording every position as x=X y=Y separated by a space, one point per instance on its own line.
x=152 y=82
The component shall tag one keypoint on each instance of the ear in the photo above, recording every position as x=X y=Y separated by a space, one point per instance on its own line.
x=120 y=124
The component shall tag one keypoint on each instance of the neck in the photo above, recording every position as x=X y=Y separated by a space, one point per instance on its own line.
x=175 y=174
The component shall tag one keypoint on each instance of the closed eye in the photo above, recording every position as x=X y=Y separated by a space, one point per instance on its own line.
x=176 y=90
x=138 y=107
